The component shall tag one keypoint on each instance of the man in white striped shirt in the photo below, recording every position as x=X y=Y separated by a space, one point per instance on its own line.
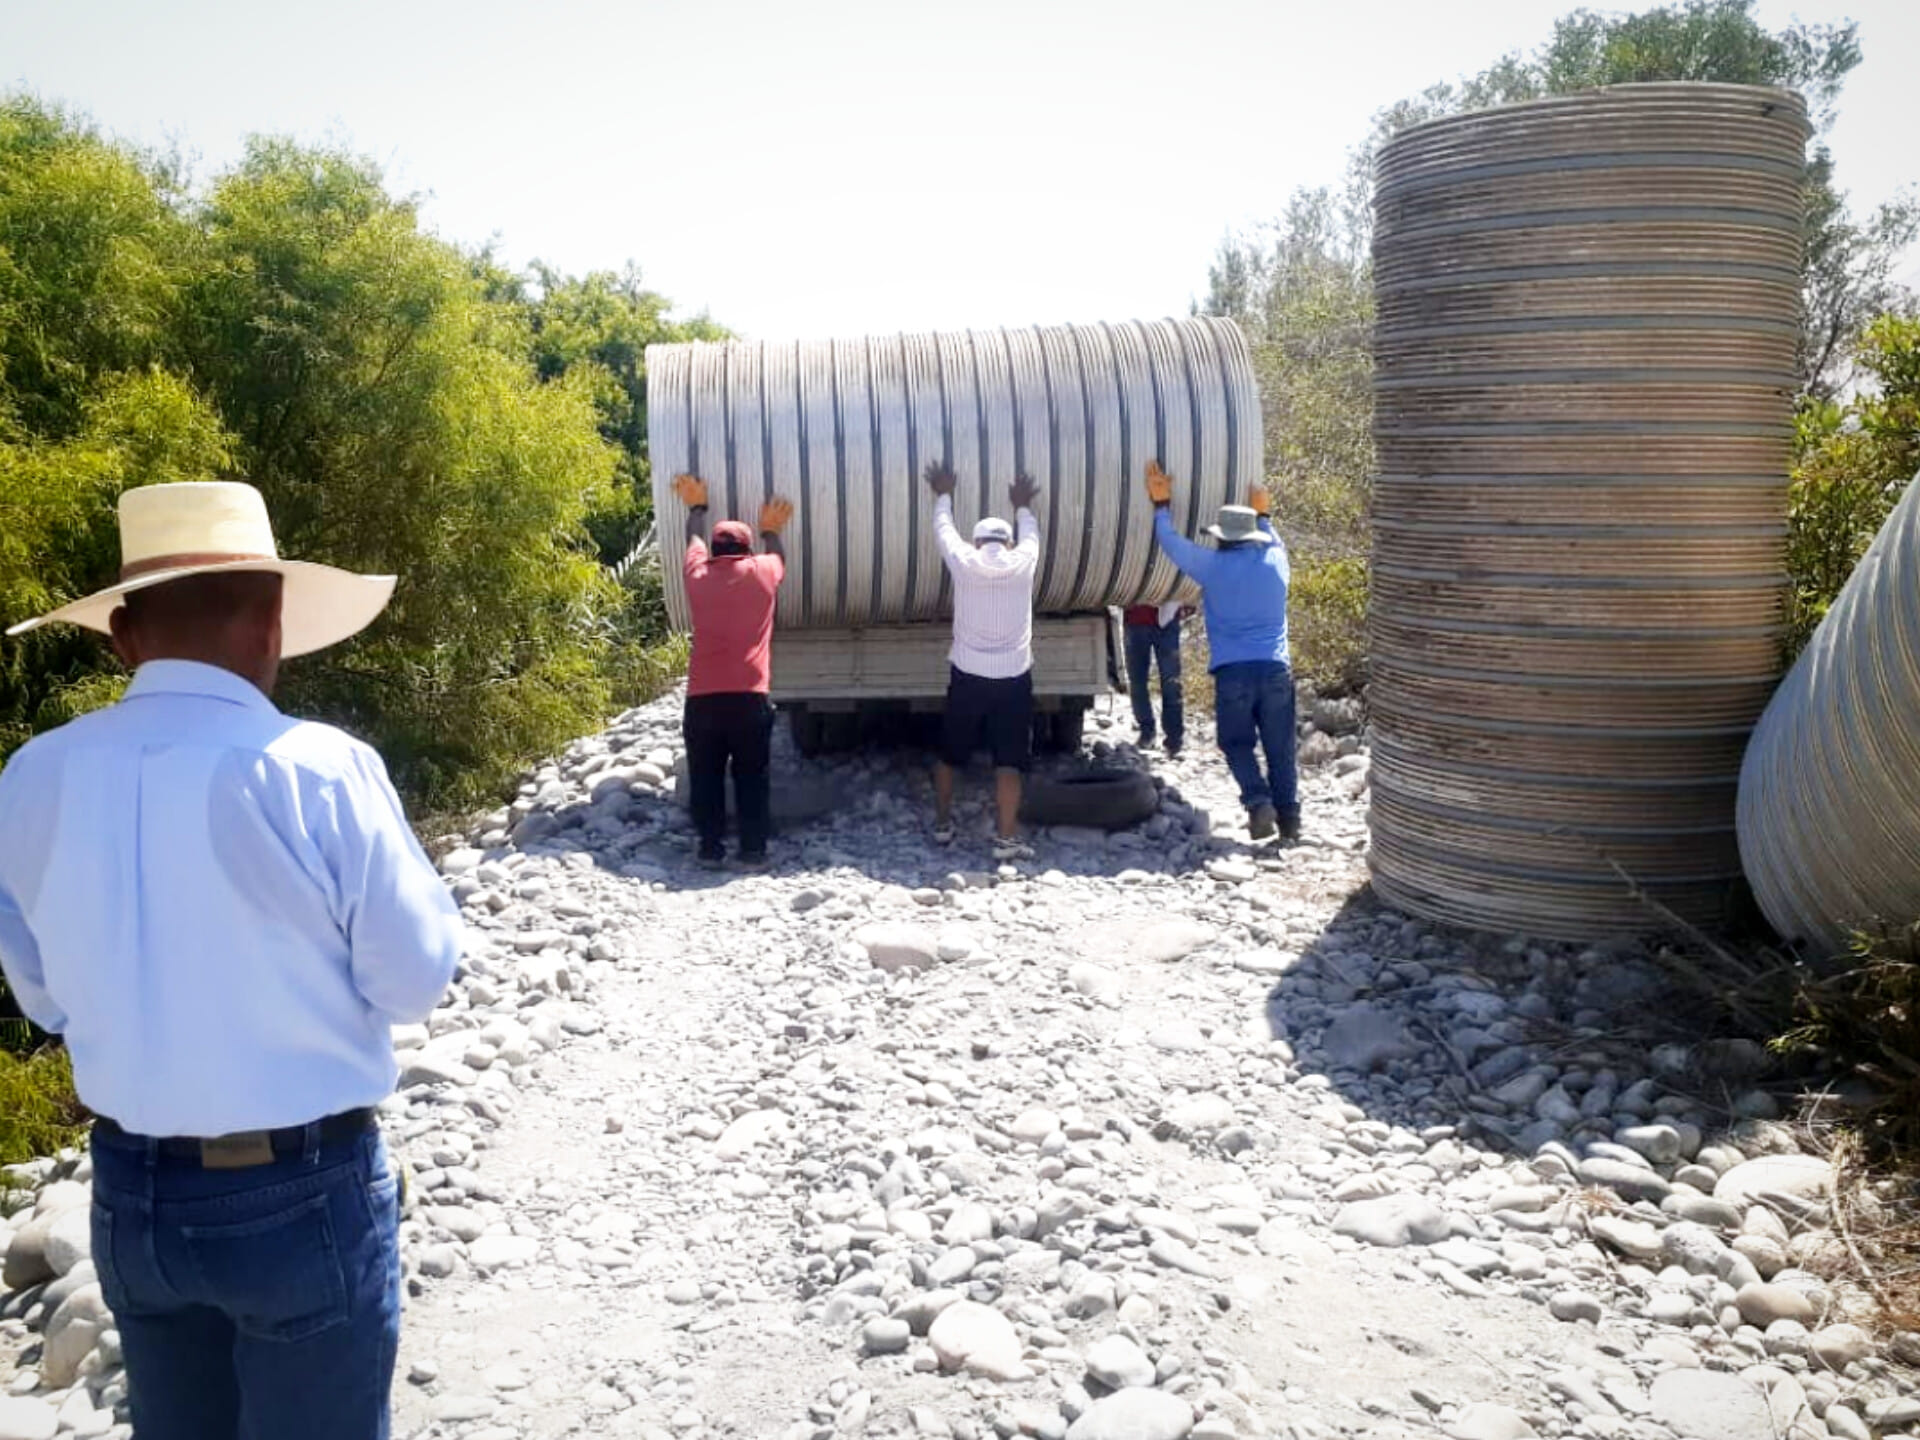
x=990 y=684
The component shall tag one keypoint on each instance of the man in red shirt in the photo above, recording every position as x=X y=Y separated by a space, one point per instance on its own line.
x=728 y=716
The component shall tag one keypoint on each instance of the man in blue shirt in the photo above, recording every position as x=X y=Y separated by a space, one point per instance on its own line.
x=1244 y=597
x=223 y=911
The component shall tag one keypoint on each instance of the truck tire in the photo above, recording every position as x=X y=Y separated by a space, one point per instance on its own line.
x=1069 y=727
x=809 y=729
x=1099 y=799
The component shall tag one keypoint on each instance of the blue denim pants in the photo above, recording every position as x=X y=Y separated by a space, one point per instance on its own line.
x=253 y=1304
x=1146 y=645
x=1253 y=712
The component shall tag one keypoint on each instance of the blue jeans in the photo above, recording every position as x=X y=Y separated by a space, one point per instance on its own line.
x=1145 y=645
x=253 y=1304
x=1253 y=707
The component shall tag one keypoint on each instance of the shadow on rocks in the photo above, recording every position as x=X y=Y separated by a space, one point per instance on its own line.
x=1514 y=1045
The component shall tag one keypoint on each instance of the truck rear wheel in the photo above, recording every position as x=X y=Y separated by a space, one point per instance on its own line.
x=809 y=730
x=1069 y=727
x=1058 y=732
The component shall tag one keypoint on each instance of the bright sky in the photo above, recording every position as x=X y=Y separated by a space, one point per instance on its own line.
x=805 y=168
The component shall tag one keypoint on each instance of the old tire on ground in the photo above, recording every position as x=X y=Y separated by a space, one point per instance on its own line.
x=1100 y=799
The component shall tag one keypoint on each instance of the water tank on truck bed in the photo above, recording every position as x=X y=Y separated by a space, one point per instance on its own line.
x=845 y=429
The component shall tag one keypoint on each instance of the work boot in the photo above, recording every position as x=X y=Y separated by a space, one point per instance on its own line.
x=1290 y=825
x=1262 y=822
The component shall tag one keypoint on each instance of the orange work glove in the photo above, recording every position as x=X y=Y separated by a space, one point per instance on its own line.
x=691 y=489
x=774 y=515
x=1159 y=484
x=1260 y=500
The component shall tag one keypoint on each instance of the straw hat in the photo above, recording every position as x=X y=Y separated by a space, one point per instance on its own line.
x=168 y=532
x=1238 y=523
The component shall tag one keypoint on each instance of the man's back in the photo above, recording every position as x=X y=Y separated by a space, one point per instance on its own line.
x=1245 y=600
x=1243 y=592
x=992 y=596
x=731 y=598
x=222 y=907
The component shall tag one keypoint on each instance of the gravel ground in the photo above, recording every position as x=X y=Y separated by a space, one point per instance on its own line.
x=1165 y=1134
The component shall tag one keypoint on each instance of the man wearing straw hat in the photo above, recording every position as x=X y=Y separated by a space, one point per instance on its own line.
x=223 y=911
x=1244 y=596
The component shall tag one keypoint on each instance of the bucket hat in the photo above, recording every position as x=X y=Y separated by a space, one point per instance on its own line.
x=1239 y=523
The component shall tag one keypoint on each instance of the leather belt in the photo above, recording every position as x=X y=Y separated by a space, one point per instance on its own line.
x=246 y=1147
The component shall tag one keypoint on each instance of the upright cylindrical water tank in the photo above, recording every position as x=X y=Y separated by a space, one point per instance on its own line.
x=1587 y=314
x=845 y=428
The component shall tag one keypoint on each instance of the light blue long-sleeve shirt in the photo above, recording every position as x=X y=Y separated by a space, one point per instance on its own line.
x=220 y=907
x=1243 y=593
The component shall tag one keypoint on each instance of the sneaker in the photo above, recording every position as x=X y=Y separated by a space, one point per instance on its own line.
x=1146 y=739
x=1012 y=848
x=1290 y=825
x=943 y=834
x=1174 y=748
x=1262 y=822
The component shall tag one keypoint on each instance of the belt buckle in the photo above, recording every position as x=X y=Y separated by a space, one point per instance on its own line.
x=240 y=1151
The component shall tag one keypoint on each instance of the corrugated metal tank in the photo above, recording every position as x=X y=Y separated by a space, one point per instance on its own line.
x=1587 y=312
x=1830 y=790
x=844 y=428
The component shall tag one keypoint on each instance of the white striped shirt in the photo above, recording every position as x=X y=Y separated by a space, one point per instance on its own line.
x=992 y=596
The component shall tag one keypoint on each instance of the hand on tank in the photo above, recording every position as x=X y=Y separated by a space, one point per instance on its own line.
x=692 y=491
x=940 y=478
x=1023 y=492
x=775 y=514
x=1159 y=484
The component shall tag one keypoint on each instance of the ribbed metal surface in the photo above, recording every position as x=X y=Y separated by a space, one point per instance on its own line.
x=844 y=428
x=1587 y=310
x=1830 y=790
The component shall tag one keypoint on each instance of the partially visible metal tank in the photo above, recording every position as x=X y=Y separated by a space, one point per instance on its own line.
x=1587 y=314
x=1830 y=790
x=845 y=427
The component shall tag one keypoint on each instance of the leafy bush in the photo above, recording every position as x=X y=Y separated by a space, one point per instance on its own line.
x=39 y=1112
x=1327 y=623
x=1863 y=1014
x=1856 y=460
x=405 y=408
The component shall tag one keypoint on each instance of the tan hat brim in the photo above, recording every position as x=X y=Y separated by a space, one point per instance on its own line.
x=319 y=605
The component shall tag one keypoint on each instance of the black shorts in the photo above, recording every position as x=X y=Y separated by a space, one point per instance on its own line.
x=996 y=713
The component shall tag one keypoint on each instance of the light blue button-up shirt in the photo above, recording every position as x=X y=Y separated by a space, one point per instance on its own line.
x=220 y=907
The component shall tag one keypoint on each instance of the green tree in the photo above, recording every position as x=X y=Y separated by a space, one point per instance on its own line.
x=392 y=414
x=1301 y=291
x=1856 y=460
x=596 y=328
x=92 y=252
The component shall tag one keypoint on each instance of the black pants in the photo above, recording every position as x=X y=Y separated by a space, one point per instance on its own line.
x=736 y=727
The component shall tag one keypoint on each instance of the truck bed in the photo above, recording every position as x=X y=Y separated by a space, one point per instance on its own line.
x=825 y=668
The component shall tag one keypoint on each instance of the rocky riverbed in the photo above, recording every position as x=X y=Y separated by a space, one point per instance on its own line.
x=1162 y=1135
